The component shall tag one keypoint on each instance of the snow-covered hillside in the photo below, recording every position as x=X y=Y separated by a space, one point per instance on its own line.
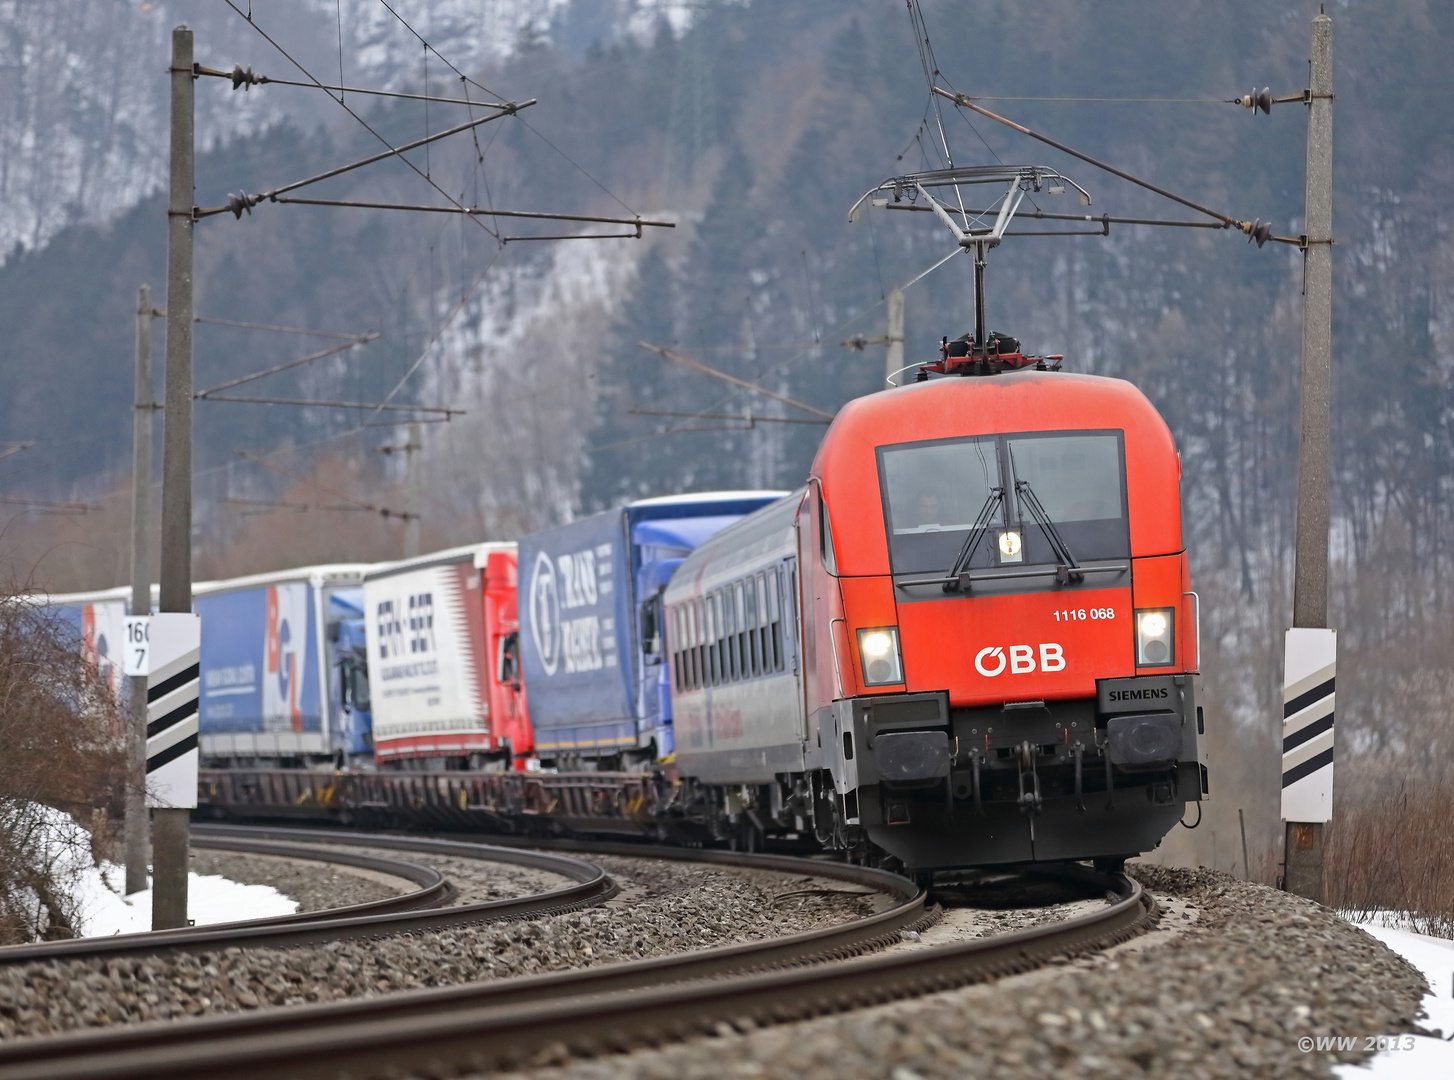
x=83 y=87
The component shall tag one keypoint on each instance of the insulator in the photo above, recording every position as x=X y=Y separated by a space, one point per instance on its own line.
x=239 y=202
x=1255 y=100
x=245 y=78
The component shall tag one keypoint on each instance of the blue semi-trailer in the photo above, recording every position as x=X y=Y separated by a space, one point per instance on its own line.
x=590 y=625
x=284 y=670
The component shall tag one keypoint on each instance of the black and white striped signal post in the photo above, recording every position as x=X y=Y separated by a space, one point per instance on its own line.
x=174 y=642
x=171 y=711
x=1308 y=691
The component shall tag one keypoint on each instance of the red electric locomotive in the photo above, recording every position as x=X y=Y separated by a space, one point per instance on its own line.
x=987 y=645
x=1004 y=647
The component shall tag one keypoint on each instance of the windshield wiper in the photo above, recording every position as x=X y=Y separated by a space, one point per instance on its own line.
x=1069 y=571
x=959 y=572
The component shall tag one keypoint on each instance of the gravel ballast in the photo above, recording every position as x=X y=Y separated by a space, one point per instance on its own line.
x=316 y=886
x=1234 y=977
x=665 y=907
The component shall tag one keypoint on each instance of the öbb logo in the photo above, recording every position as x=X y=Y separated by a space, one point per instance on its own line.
x=992 y=660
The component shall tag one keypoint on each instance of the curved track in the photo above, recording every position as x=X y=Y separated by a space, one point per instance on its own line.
x=476 y=1026
x=414 y=911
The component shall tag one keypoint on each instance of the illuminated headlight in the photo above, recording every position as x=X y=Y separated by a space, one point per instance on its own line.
x=1012 y=546
x=1155 y=637
x=878 y=652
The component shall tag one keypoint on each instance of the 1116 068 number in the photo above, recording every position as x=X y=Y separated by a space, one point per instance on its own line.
x=1084 y=614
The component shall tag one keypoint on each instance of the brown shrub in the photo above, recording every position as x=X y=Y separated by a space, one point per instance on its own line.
x=61 y=766
x=1396 y=853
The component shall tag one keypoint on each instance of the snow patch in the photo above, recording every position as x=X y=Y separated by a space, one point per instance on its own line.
x=54 y=841
x=1430 y=1057
x=211 y=899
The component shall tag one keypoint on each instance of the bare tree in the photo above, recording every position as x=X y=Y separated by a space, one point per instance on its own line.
x=60 y=728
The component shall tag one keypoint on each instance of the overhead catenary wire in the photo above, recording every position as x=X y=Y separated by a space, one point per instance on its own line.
x=431 y=48
x=287 y=364
x=707 y=369
x=381 y=510
x=478 y=219
x=48 y=507
x=574 y=164
x=1252 y=228
x=281 y=329
x=246 y=78
x=435 y=335
x=376 y=406
x=1094 y=219
x=1111 y=100
x=931 y=69
x=528 y=214
x=806 y=350
x=236 y=204
x=749 y=418
x=344 y=105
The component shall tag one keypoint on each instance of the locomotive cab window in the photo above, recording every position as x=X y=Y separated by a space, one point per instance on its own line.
x=1014 y=491
x=934 y=492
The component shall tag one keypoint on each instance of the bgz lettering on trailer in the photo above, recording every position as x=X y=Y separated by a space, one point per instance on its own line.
x=559 y=587
x=406 y=628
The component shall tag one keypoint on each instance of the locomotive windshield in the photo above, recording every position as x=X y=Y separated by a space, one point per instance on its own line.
x=1075 y=477
x=934 y=492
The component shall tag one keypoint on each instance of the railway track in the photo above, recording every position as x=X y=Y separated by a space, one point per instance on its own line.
x=422 y=909
x=614 y=1007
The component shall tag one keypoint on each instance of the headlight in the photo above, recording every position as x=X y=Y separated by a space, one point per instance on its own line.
x=878 y=654
x=1012 y=546
x=1155 y=637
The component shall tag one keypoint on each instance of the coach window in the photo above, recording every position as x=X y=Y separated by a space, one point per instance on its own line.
x=682 y=627
x=774 y=620
x=744 y=630
x=740 y=637
x=729 y=633
x=719 y=656
x=761 y=661
x=673 y=652
x=698 y=647
x=689 y=642
x=744 y=636
x=719 y=631
x=769 y=620
x=709 y=636
x=754 y=624
x=792 y=619
x=739 y=641
x=734 y=628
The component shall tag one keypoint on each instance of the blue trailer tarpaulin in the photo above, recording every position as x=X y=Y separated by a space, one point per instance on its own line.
x=259 y=663
x=684 y=534
x=590 y=687
x=575 y=598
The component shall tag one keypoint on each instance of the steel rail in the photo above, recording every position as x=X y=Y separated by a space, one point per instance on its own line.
x=477 y=1026
x=396 y=915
